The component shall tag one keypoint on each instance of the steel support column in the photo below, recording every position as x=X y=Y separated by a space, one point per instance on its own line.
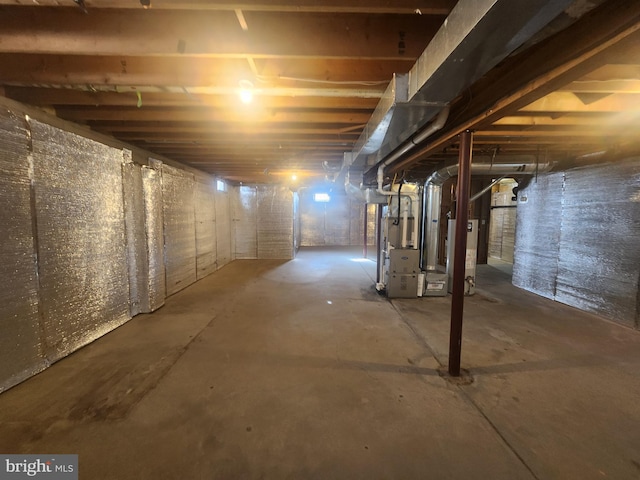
x=460 y=252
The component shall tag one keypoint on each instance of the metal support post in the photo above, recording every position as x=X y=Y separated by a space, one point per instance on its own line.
x=460 y=252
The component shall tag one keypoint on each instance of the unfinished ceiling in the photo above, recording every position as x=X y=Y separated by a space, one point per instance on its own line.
x=167 y=78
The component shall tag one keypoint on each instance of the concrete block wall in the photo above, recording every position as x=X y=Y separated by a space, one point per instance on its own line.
x=578 y=239
x=92 y=239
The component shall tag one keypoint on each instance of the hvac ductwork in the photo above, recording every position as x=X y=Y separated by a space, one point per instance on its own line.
x=475 y=37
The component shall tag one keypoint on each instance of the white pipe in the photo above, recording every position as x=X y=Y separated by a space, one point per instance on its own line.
x=416 y=224
x=405 y=222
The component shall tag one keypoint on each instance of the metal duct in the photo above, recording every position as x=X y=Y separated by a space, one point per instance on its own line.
x=475 y=37
x=527 y=165
x=376 y=129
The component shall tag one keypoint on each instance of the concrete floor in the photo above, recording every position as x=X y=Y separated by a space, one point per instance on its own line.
x=300 y=370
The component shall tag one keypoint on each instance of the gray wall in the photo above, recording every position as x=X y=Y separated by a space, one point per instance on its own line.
x=339 y=222
x=91 y=239
x=205 y=218
x=178 y=206
x=502 y=223
x=22 y=349
x=578 y=239
x=244 y=210
x=263 y=222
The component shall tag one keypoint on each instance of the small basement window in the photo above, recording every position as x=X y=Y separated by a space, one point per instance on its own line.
x=321 y=197
x=221 y=186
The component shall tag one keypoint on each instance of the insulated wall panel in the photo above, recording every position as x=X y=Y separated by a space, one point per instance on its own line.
x=21 y=345
x=179 y=228
x=537 y=240
x=312 y=218
x=244 y=206
x=509 y=235
x=502 y=223
x=356 y=222
x=296 y=222
x=337 y=221
x=136 y=242
x=154 y=234
x=205 y=229
x=599 y=259
x=223 y=228
x=496 y=225
x=275 y=222
x=371 y=224
x=82 y=253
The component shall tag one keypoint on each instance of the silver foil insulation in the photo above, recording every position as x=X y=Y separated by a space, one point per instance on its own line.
x=224 y=249
x=578 y=239
x=205 y=217
x=91 y=238
x=263 y=223
x=82 y=255
x=244 y=208
x=21 y=339
x=275 y=222
x=154 y=225
x=339 y=222
x=178 y=206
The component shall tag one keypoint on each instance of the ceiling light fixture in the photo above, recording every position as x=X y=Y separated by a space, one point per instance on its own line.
x=246 y=91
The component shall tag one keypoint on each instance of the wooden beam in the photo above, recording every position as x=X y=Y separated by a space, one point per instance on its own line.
x=535 y=140
x=217 y=140
x=603 y=86
x=407 y=7
x=68 y=97
x=193 y=71
x=566 y=102
x=208 y=115
x=567 y=120
x=213 y=33
x=147 y=129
